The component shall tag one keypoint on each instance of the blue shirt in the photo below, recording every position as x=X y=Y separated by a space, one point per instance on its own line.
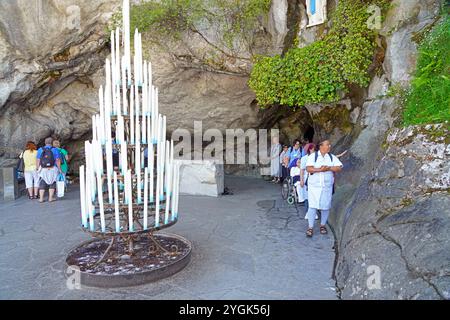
x=295 y=154
x=56 y=153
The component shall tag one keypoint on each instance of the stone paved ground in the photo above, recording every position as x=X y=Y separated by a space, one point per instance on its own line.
x=250 y=245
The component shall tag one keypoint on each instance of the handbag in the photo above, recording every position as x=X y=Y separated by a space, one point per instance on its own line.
x=60 y=186
x=20 y=163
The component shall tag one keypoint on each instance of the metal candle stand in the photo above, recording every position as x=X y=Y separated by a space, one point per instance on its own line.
x=114 y=205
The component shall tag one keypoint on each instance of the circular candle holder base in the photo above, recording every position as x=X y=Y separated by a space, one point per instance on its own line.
x=124 y=261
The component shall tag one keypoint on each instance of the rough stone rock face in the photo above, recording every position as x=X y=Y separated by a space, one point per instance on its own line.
x=390 y=211
x=50 y=52
x=218 y=100
x=403 y=20
x=400 y=221
x=51 y=65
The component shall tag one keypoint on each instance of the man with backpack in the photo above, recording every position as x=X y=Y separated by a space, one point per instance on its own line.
x=49 y=166
x=321 y=166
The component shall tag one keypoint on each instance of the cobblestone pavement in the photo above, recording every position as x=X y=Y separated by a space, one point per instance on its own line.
x=249 y=245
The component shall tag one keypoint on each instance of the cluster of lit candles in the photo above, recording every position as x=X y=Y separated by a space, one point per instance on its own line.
x=128 y=106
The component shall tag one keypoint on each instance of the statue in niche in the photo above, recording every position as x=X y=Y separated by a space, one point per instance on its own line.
x=317 y=12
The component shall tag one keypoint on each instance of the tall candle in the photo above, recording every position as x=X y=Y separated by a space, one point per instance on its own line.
x=82 y=197
x=148 y=131
x=117 y=70
x=171 y=161
x=131 y=138
x=141 y=78
x=174 y=188
x=157 y=197
x=145 y=198
x=108 y=86
x=144 y=107
x=137 y=170
x=89 y=207
x=109 y=169
x=166 y=166
x=130 y=202
x=137 y=110
x=89 y=171
x=100 y=202
x=166 y=216
x=94 y=127
x=145 y=73
x=124 y=87
x=113 y=58
x=177 y=195
x=116 y=203
x=127 y=40
x=151 y=161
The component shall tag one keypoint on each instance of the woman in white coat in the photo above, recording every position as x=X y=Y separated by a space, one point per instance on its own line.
x=275 y=166
x=321 y=166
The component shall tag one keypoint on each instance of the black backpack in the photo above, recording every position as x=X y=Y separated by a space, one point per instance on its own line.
x=47 y=158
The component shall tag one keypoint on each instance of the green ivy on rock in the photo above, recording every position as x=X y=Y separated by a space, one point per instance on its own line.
x=321 y=71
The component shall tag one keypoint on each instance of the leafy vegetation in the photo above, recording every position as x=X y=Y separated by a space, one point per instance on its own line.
x=429 y=98
x=323 y=70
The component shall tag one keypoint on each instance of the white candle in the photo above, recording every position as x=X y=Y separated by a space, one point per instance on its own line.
x=130 y=202
x=166 y=166
x=157 y=195
x=137 y=101
x=137 y=112
x=100 y=128
x=177 y=195
x=175 y=189
x=169 y=176
x=126 y=26
x=151 y=158
x=117 y=70
x=140 y=57
x=145 y=73
x=113 y=58
x=145 y=198
x=138 y=130
x=89 y=207
x=82 y=197
x=94 y=127
x=109 y=169
x=124 y=87
x=100 y=202
x=90 y=179
x=171 y=162
x=116 y=203
x=137 y=169
x=149 y=133
x=131 y=138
